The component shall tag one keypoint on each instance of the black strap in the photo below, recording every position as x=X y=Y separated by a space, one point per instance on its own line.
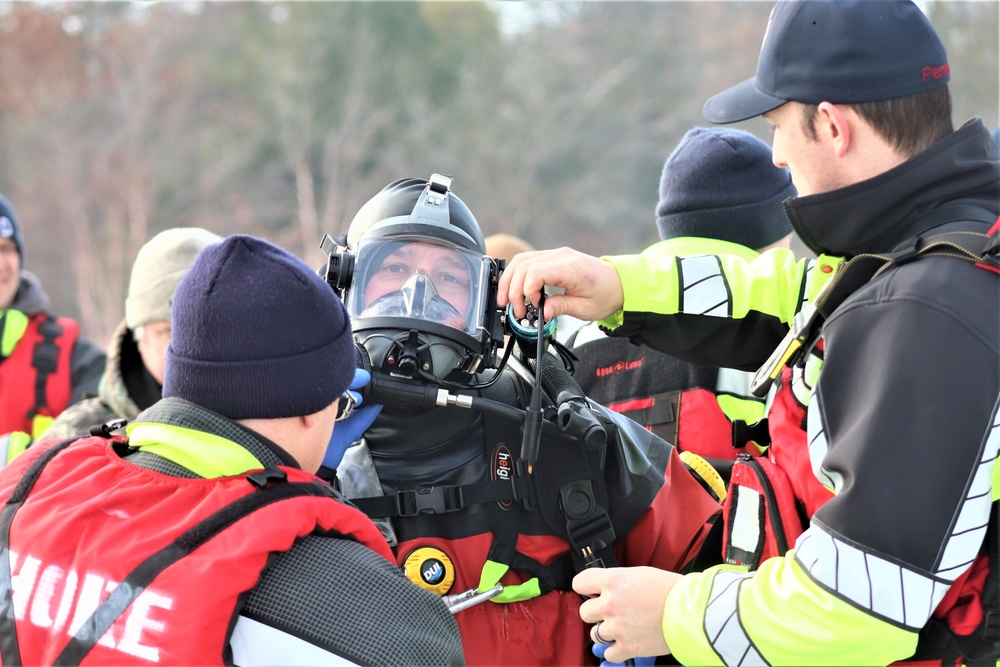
x=441 y=499
x=505 y=553
x=45 y=360
x=661 y=417
x=970 y=246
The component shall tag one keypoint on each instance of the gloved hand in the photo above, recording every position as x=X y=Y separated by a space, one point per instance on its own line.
x=347 y=432
x=598 y=650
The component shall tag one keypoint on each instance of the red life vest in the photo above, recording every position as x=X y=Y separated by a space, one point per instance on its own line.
x=778 y=489
x=36 y=379
x=93 y=520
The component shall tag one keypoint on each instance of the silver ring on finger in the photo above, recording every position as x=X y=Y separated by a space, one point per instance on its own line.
x=597 y=634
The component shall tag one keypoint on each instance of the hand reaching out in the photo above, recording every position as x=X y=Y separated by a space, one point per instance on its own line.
x=628 y=601
x=593 y=288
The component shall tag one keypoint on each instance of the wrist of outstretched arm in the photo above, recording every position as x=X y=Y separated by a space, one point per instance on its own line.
x=646 y=287
x=782 y=614
x=683 y=620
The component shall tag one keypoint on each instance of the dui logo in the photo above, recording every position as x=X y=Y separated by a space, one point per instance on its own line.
x=6 y=227
x=503 y=469
x=430 y=568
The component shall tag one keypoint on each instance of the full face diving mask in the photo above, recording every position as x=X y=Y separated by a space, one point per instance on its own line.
x=420 y=291
x=427 y=296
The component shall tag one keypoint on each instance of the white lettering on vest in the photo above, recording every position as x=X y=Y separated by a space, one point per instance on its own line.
x=139 y=620
x=34 y=596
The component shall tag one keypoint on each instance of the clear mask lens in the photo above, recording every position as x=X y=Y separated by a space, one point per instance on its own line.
x=421 y=281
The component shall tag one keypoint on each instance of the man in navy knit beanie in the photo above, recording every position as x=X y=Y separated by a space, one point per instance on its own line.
x=717 y=184
x=210 y=515
x=257 y=335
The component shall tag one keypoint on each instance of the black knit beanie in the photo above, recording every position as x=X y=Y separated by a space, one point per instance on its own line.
x=257 y=334
x=720 y=183
x=9 y=227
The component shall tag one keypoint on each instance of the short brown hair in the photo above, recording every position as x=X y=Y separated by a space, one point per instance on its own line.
x=910 y=124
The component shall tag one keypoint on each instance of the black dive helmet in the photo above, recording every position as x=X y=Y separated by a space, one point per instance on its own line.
x=419 y=287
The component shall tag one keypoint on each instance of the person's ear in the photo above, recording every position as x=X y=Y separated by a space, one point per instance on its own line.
x=833 y=126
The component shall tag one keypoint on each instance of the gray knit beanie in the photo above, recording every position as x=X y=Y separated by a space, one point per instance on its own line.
x=9 y=227
x=720 y=183
x=257 y=334
x=158 y=268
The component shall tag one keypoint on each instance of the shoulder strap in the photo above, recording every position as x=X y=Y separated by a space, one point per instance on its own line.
x=982 y=250
x=45 y=360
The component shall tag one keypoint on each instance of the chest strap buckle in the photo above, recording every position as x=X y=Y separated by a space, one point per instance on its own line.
x=432 y=500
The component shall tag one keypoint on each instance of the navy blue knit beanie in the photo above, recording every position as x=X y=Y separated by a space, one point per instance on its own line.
x=9 y=227
x=720 y=183
x=257 y=334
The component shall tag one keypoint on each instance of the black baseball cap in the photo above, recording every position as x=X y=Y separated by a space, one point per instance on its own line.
x=840 y=51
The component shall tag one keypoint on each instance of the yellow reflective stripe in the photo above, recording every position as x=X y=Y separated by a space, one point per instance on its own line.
x=202 y=453
x=793 y=620
x=490 y=577
x=683 y=617
x=770 y=283
x=17 y=442
x=789 y=619
x=15 y=323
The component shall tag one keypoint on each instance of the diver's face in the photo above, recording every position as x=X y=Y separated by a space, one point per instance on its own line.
x=443 y=267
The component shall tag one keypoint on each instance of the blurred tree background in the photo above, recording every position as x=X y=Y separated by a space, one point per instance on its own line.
x=120 y=119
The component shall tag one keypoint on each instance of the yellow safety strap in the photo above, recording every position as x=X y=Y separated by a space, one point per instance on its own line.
x=490 y=577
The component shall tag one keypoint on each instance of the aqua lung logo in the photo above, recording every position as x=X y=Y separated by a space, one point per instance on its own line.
x=619 y=367
x=503 y=469
x=6 y=227
x=432 y=571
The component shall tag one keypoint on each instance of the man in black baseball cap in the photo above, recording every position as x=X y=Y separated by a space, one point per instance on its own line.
x=884 y=428
x=844 y=51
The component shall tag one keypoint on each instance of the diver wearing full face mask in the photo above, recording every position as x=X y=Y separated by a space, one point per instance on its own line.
x=443 y=480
